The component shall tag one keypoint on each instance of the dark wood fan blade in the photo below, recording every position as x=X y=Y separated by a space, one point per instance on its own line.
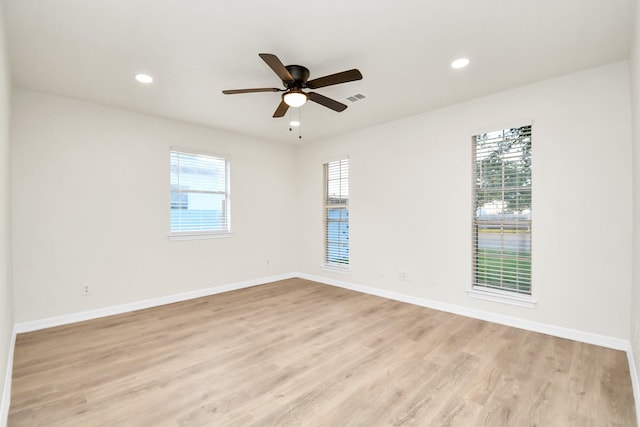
x=334 y=79
x=281 y=110
x=327 y=102
x=277 y=66
x=263 y=89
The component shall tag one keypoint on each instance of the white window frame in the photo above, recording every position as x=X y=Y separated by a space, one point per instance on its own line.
x=328 y=263
x=501 y=292
x=203 y=234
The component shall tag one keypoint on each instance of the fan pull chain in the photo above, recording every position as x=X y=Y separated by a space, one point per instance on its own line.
x=298 y=122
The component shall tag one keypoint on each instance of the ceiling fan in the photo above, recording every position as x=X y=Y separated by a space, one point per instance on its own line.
x=295 y=79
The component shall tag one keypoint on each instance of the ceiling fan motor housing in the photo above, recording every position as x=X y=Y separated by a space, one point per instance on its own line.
x=300 y=76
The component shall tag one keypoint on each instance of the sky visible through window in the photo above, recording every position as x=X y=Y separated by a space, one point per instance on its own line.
x=337 y=213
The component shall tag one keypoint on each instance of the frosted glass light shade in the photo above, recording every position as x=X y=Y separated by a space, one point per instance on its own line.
x=295 y=98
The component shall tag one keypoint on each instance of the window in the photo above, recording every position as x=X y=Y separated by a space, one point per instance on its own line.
x=336 y=214
x=502 y=211
x=199 y=194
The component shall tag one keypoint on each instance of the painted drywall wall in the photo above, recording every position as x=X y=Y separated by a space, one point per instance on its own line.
x=6 y=296
x=410 y=200
x=91 y=205
x=91 y=193
x=635 y=123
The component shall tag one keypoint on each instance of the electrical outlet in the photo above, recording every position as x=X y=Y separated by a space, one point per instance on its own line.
x=86 y=289
x=403 y=275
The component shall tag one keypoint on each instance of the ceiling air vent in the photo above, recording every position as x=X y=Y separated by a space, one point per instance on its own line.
x=356 y=97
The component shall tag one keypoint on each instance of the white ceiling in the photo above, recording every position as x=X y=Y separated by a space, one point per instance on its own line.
x=91 y=50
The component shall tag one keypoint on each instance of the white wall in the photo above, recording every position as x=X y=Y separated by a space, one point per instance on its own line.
x=635 y=122
x=410 y=200
x=6 y=298
x=90 y=187
x=91 y=204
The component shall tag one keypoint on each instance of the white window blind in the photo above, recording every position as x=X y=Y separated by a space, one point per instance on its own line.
x=502 y=210
x=336 y=213
x=199 y=194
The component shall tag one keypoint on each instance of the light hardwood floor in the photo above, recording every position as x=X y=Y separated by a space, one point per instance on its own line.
x=299 y=353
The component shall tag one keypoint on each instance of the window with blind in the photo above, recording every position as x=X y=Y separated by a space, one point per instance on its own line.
x=199 y=194
x=336 y=214
x=502 y=211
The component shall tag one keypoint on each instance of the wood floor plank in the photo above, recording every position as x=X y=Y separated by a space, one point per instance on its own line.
x=299 y=353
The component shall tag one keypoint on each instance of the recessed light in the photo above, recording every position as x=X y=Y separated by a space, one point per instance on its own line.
x=460 y=63
x=294 y=123
x=144 y=78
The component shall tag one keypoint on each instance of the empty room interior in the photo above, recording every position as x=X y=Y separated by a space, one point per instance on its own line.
x=334 y=214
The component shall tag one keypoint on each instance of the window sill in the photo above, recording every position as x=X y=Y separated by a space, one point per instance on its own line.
x=335 y=269
x=503 y=297
x=197 y=236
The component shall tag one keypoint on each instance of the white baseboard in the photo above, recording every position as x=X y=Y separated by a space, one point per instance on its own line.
x=6 y=389
x=50 y=322
x=634 y=381
x=572 y=334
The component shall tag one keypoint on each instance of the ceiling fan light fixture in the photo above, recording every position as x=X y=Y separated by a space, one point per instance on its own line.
x=295 y=98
